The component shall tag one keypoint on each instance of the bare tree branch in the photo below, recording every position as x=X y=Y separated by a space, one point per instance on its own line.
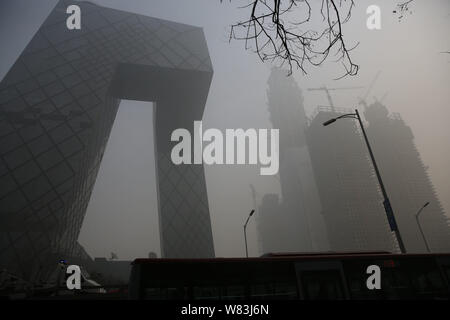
x=403 y=8
x=278 y=31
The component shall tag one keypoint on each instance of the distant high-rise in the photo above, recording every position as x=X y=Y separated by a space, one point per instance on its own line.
x=270 y=229
x=407 y=181
x=297 y=214
x=57 y=107
x=352 y=205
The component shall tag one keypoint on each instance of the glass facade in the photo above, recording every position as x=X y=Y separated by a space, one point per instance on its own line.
x=57 y=106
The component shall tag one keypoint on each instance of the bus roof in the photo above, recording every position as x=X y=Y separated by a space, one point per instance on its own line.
x=292 y=256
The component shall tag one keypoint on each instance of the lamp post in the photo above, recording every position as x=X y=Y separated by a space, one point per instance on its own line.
x=420 y=227
x=386 y=202
x=245 y=231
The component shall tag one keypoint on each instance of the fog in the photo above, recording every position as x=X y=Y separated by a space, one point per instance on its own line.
x=122 y=216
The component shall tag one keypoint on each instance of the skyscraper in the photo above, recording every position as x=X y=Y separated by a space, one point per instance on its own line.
x=352 y=205
x=407 y=181
x=298 y=213
x=57 y=106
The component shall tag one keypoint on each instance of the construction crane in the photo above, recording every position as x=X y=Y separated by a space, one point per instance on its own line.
x=363 y=100
x=382 y=98
x=327 y=92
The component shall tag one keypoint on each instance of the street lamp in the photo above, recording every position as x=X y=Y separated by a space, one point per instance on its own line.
x=420 y=227
x=386 y=202
x=245 y=232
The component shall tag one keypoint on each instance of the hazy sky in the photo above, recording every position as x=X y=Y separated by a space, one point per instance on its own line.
x=414 y=74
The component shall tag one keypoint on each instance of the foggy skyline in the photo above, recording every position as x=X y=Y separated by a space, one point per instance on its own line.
x=413 y=72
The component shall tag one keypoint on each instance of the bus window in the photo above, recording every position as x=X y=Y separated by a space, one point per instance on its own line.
x=322 y=285
x=234 y=292
x=358 y=288
x=152 y=294
x=284 y=290
x=166 y=293
x=395 y=284
x=206 y=293
x=447 y=272
x=262 y=291
x=356 y=275
x=428 y=283
x=180 y=293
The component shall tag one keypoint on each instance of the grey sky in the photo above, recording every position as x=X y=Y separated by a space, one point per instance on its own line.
x=118 y=219
x=414 y=75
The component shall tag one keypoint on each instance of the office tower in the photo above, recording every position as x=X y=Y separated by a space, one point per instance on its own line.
x=57 y=105
x=298 y=213
x=352 y=205
x=407 y=181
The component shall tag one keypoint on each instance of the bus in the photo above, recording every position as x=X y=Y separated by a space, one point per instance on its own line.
x=293 y=276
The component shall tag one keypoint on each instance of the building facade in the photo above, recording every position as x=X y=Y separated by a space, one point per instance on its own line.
x=297 y=212
x=57 y=106
x=407 y=181
x=352 y=205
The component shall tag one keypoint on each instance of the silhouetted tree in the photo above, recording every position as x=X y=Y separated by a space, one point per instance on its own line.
x=279 y=30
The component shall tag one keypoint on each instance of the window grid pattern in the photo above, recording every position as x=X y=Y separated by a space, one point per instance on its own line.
x=55 y=118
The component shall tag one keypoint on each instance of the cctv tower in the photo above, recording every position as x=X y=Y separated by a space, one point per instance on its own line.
x=57 y=106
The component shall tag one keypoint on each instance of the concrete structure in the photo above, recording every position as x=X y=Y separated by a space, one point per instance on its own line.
x=57 y=106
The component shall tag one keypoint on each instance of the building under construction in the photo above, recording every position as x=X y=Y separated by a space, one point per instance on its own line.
x=352 y=205
x=292 y=222
x=407 y=182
